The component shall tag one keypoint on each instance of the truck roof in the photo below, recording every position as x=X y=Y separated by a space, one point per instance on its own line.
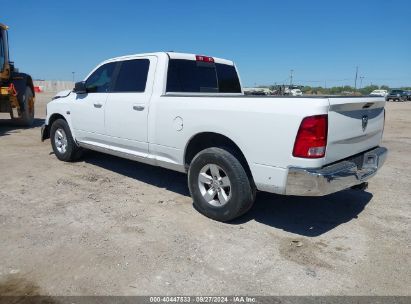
x=171 y=55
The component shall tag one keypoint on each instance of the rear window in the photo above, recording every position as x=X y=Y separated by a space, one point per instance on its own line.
x=228 y=81
x=198 y=77
x=132 y=76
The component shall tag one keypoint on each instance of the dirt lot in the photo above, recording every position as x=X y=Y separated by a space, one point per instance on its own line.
x=109 y=226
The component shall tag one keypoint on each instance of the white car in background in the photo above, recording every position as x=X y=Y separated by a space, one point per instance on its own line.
x=382 y=93
x=296 y=92
x=293 y=91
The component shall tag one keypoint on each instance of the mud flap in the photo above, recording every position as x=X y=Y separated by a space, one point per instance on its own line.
x=45 y=132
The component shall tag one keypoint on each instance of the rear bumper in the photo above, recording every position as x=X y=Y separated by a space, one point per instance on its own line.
x=335 y=177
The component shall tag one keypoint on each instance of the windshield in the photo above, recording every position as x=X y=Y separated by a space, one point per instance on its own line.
x=396 y=92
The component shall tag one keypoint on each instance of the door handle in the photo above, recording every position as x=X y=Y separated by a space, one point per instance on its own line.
x=138 y=108
x=98 y=105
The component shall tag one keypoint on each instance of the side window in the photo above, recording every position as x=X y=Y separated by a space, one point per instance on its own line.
x=100 y=80
x=132 y=76
x=228 y=81
x=2 y=55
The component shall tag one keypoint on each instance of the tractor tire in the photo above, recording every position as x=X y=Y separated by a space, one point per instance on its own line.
x=27 y=114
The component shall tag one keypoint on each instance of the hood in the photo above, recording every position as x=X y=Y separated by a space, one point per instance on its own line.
x=62 y=94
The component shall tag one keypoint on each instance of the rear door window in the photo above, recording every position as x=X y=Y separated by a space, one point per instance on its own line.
x=132 y=76
x=201 y=77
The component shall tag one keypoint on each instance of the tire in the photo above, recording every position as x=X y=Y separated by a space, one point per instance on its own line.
x=27 y=115
x=215 y=196
x=62 y=142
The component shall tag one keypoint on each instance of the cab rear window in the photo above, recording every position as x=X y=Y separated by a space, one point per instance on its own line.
x=201 y=77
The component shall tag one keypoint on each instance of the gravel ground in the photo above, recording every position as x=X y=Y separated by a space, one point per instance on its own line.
x=109 y=226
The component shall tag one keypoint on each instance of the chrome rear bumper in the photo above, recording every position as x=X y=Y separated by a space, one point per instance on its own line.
x=335 y=177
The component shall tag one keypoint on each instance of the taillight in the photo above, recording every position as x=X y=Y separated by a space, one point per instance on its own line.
x=311 y=140
x=204 y=58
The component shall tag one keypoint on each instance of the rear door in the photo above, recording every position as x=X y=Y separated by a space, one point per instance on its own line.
x=127 y=106
x=354 y=126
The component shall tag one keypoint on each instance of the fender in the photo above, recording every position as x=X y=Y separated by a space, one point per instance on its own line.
x=51 y=117
x=45 y=128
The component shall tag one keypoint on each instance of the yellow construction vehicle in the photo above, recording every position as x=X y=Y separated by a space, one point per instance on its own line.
x=16 y=89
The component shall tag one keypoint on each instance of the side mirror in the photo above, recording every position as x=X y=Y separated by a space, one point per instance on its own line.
x=80 y=87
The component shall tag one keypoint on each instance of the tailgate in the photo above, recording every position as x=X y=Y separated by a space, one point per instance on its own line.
x=355 y=124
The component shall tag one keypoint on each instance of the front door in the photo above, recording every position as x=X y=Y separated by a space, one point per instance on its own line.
x=88 y=109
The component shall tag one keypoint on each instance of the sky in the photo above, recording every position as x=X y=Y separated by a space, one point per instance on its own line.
x=321 y=41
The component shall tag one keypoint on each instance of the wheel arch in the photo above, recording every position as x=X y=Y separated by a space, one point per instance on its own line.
x=204 y=140
x=46 y=131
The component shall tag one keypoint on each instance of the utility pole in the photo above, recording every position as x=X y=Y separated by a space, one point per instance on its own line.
x=361 y=78
x=291 y=77
x=356 y=76
x=73 y=75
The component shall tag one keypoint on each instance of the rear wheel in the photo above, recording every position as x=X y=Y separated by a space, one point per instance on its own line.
x=219 y=185
x=62 y=142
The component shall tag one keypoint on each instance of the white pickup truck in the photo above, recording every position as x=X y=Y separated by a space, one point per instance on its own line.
x=188 y=113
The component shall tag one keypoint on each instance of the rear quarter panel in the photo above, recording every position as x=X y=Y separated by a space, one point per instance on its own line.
x=263 y=128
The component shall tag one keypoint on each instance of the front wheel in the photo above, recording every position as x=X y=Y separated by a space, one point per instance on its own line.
x=62 y=142
x=219 y=185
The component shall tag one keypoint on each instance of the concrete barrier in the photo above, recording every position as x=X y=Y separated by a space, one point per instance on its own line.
x=53 y=85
